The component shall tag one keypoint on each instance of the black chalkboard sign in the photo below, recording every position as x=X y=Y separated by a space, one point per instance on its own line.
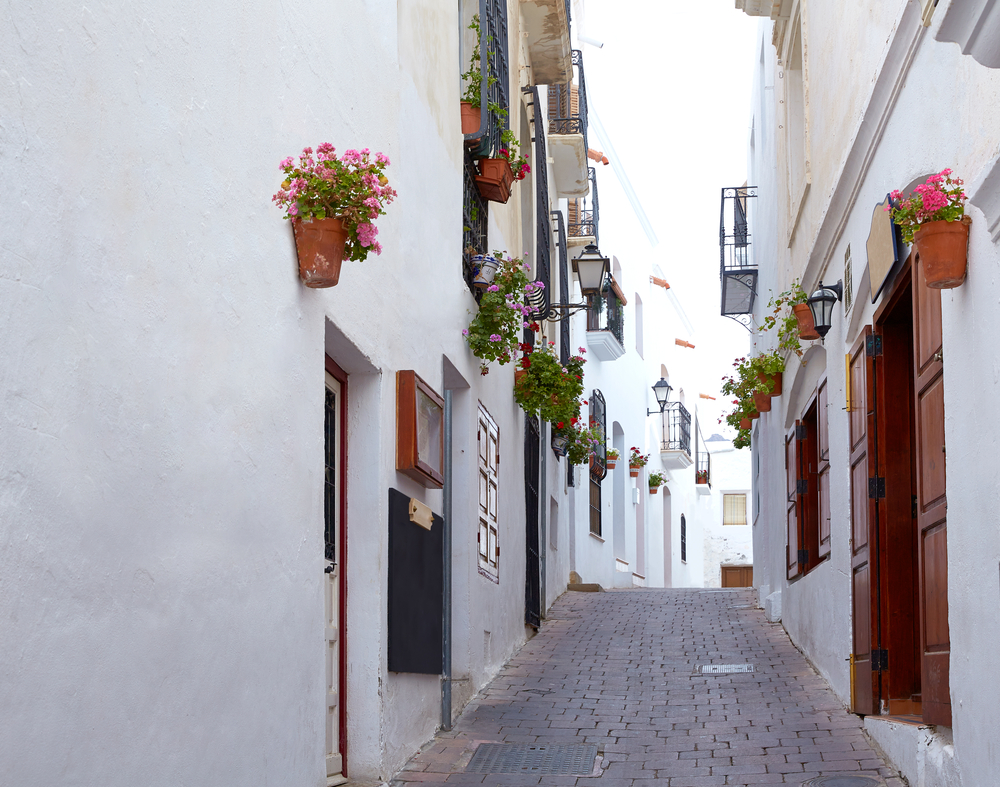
x=416 y=590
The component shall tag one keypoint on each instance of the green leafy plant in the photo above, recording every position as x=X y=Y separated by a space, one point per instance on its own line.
x=613 y=454
x=781 y=315
x=701 y=477
x=584 y=442
x=495 y=330
x=352 y=188
x=941 y=198
x=767 y=365
x=656 y=480
x=546 y=388
x=636 y=458
x=474 y=76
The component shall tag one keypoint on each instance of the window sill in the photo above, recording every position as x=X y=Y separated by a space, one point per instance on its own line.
x=594 y=535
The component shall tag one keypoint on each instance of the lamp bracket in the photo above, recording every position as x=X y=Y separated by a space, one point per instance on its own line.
x=560 y=311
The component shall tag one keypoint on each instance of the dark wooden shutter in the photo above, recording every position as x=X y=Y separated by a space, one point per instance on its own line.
x=932 y=539
x=823 y=475
x=863 y=521
x=792 y=503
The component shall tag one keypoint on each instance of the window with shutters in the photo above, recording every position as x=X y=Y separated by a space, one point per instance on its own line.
x=807 y=460
x=734 y=509
x=488 y=536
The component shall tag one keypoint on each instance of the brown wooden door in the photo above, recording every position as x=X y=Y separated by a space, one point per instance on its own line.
x=792 y=504
x=932 y=541
x=737 y=576
x=863 y=523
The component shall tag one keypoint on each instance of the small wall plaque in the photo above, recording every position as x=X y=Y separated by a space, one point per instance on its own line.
x=419 y=430
x=883 y=247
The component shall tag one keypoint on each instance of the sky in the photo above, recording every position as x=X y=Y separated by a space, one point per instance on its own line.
x=671 y=86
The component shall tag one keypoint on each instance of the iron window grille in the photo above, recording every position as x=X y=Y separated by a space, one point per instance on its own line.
x=568 y=103
x=330 y=486
x=676 y=428
x=494 y=60
x=584 y=213
x=684 y=539
x=704 y=465
x=475 y=224
x=563 y=252
x=543 y=226
x=606 y=312
x=738 y=268
x=598 y=462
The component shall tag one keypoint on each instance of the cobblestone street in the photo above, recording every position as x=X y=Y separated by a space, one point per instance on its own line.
x=622 y=670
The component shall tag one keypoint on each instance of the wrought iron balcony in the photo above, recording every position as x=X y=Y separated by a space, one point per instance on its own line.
x=606 y=322
x=568 y=132
x=584 y=216
x=675 y=447
x=738 y=268
x=703 y=469
x=547 y=25
x=475 y=224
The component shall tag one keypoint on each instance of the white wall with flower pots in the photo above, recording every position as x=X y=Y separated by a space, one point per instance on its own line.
x=161 y=486
x=923 y=106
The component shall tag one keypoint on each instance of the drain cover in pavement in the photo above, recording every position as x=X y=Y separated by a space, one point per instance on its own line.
x=842 y=781
x=526 y=758
x=725 y=669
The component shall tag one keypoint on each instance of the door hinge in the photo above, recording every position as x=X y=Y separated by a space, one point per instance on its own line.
x=803 y=557
x=802 y=486
x=873 y=346
x=801 y=432
x=880 y=660
x=876 y=487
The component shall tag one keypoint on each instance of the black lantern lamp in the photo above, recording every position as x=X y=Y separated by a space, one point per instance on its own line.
x=821 y=305
x=591 y=268
x=661 y=391
x=559 y=442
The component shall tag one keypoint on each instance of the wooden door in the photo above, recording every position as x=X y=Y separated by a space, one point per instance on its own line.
x=864 y=522
x=737 y=576
x=932 y=540
x=333 y=582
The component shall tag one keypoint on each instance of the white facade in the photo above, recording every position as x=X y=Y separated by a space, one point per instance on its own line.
x=887 y=102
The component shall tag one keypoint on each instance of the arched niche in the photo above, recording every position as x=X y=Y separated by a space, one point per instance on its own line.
x=805 y=381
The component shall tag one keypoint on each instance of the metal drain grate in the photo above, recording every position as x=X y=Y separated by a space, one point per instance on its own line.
x=843 y=781
x=725 y=669
x=525 y=758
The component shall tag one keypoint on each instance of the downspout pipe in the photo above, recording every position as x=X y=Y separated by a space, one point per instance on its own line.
x=446 y=579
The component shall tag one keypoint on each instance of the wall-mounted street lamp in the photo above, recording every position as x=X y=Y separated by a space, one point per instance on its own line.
x=661 y=391
x=821 y=305
x=592 y=269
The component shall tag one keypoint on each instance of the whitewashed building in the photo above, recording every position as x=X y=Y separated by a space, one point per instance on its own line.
x=876 y=469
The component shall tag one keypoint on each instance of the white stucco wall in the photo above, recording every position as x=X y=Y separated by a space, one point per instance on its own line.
x=725 y=544
x=944 y=116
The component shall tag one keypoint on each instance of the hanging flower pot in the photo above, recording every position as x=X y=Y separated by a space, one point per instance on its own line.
x=470 y=118
x=653 y=490
x=776 y=387
x=944 y=250
x=486 y=268
x=762 y=401
x=807 y=330
x=610 y=463
x=633 y=470
x=494 y=179
x=320 y=248
x=745 y=423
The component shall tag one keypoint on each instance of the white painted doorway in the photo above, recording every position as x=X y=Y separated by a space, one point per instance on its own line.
x=333 y=590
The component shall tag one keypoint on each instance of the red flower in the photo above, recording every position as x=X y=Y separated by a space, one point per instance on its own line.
x=559 y=425
x=525 y=363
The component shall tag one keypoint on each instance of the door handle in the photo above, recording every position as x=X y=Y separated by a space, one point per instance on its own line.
x=330 y=568
x=938 y=356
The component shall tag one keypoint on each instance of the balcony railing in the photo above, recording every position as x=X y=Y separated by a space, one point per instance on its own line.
x=738 y=268
x=676 y=428
x=703 y=468
x=547 y=30
x=568 y=103
x=475 y=224
x=543 y=226
x=606 y=312
x=563 y=267
x=584 y=215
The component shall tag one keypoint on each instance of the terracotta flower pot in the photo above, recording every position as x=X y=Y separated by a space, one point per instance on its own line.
x=610 y=463
x=762 y=401
x=633 y=470
x=807 y=330
x=519 y=374
x=754 y=414
x=745 y=423
x=776 y=389
x=701 y=480
x=494 y=179
x=470 y=118
x=944 y=250
x=319 y=245
x=653 y=490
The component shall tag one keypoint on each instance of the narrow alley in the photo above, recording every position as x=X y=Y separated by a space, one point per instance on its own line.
x=618 y=676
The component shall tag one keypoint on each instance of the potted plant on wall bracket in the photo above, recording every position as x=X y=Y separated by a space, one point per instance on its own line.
x=473 y=96
x=701 y=477
x=933 y=217
x=498 y=173
x=583 y=442
x=484 y=267
x=636 y=461
x=656 y=480
x=611 y=458
x=495 y=330
x=332 y=202
x=790 y=313
x=767 y=368
x=546 y=388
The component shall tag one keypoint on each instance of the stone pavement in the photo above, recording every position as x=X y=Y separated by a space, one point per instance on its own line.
x=621 y=669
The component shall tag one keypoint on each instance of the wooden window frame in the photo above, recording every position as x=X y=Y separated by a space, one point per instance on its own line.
x=488 y=548
x=409 y=385
x=809 y=500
